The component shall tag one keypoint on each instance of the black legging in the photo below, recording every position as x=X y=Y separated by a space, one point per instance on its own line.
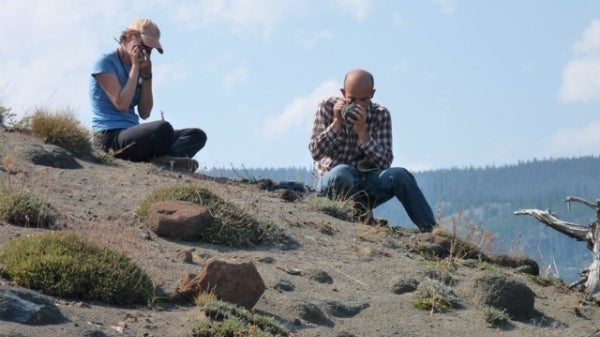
x=148 y=140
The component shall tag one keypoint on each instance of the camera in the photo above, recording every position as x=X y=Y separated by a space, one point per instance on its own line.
x=144 y=52
x=348 y=112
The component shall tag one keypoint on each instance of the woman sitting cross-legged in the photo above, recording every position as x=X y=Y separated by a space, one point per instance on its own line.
x=122 y=81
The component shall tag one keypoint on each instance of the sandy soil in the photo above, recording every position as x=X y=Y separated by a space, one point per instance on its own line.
x=99 y=201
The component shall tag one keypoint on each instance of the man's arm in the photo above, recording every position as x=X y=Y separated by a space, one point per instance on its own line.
x=326 y=125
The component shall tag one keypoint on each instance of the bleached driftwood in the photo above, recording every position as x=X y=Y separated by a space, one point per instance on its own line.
x=590 y=277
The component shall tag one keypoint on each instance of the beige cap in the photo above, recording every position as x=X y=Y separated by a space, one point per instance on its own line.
x=149 y=32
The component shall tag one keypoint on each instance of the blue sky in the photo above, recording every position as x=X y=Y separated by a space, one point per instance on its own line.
x=468 y=83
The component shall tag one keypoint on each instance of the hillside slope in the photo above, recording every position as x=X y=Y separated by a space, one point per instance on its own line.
x=98 y=202
x=488 y=196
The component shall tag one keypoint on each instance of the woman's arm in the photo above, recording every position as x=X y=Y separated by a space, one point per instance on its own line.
x=146 y=98
x=121 y=97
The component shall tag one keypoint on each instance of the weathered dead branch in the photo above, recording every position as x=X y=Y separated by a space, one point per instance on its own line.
x=590 y=277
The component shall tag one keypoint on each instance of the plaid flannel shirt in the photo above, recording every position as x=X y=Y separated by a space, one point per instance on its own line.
x=330 y=148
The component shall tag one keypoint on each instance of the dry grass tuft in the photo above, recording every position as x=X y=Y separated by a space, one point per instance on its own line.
x=61 y=129
x=340 y=209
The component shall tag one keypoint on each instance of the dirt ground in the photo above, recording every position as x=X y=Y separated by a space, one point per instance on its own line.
x=98 y=202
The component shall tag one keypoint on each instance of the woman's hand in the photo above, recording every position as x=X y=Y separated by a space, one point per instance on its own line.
x=145 y=61
x=135 y=54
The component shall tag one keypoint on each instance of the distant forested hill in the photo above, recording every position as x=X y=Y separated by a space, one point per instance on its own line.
x=488 y=197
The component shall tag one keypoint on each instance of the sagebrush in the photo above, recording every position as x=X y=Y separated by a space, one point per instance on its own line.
x=435 y=296
x=232 y=226
x=227 y=319
x=65 y=265
x=19 y=207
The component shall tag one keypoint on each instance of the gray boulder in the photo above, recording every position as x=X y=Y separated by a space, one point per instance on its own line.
x=25 y=306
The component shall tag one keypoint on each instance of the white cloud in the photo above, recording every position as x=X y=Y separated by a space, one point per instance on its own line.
x=448 y=7
x=358 y=8
x=312 y=41
x=583 y=140
x=581 y=76
x=241 y=16
x=234 y=77
x=589 y=44
x=299 y=112
x=581 y=80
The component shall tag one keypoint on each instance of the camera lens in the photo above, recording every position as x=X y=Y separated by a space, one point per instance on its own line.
x=348 y=111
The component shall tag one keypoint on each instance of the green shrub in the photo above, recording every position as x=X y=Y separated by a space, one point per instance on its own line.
x=9 y=119
x=435 y=296
x=21 y=208
x=494 y=316
x=61 y=129
x=64 y=265
x=488 y=266
x=438 y=271
x=232 y=227
x=227 y=319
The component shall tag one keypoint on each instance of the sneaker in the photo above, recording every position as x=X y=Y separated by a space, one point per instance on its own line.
x=184 y=163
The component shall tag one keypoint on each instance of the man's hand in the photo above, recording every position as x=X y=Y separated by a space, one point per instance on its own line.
x=360 y=124
x=338 y=120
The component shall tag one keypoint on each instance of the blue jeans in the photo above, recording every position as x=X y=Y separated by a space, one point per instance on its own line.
x=376 y=187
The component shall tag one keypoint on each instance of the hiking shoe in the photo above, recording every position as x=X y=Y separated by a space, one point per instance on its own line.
x=182 y=163
x=427 y=228
x=369 y=220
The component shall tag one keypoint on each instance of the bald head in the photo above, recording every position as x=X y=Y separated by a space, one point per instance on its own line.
x=358 y=87
x=359 y=78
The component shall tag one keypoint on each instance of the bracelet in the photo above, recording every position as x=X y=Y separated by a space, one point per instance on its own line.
x=146 y=76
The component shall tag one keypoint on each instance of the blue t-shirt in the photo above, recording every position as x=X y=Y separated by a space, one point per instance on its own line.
x=105 y=116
